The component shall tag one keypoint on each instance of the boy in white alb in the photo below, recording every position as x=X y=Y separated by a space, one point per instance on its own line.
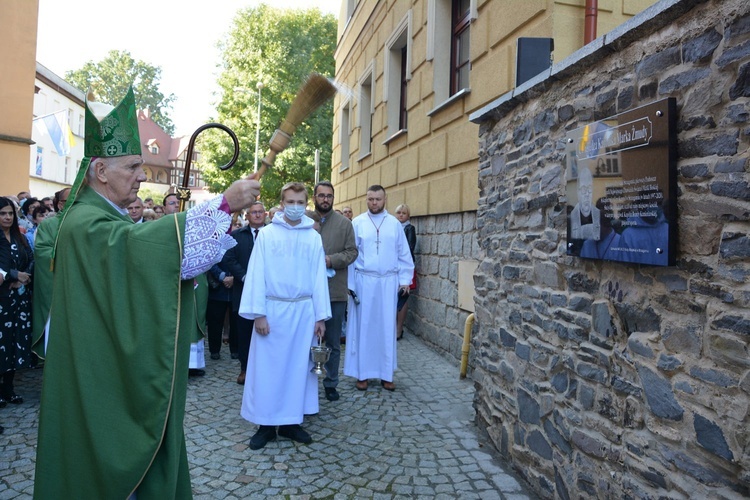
x=286 y=293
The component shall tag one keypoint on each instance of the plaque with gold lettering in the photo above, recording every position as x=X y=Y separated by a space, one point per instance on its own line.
x=621 y=175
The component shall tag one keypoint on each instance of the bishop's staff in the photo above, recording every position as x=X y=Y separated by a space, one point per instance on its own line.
x=183 y=193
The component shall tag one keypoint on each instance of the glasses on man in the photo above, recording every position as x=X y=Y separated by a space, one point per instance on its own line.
x=324 y=196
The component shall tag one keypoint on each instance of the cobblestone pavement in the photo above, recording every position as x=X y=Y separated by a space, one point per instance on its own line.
x=417 y=442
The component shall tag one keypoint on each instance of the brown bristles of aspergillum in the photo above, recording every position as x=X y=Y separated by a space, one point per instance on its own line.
x=316 y=90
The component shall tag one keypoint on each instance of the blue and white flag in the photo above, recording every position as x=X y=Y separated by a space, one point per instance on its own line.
x=56 y=126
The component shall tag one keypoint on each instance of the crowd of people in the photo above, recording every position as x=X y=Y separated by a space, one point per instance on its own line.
x=268 y=284
x=20 y=217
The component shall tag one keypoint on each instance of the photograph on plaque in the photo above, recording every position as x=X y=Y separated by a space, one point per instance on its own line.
x=621 y=187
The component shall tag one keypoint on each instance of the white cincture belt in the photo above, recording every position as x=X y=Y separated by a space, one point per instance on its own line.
x=293 y=299
x=375 y=275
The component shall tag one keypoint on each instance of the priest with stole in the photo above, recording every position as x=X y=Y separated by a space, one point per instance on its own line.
x=119 y=313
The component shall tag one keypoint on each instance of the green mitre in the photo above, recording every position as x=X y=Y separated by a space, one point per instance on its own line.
x=109 y=132
x=115 y=134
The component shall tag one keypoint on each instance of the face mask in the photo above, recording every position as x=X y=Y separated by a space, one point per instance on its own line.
x=294 y=212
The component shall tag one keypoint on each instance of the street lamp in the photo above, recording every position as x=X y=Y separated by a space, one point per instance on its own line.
x=257 y=130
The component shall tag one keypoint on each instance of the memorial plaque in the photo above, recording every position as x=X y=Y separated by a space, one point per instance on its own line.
x=621 y=176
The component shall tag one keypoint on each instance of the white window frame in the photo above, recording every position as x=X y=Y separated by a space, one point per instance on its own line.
x=400 y=37
x=345 y=134
x=439 y=36
x=365 y=110
x=351 y=5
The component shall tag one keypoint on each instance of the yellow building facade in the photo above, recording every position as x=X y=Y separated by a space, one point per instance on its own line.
x=18 y=27
x=415 y=70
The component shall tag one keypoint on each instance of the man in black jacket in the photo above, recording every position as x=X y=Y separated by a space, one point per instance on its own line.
x=235 y=261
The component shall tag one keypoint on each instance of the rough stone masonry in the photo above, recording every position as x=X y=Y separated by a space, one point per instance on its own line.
x=614 y=380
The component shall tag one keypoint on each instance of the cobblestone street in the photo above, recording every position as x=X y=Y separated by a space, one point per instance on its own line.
x=417 y=442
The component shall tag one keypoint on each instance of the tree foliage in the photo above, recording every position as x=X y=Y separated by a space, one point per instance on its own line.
x=280 y=48
x=155 y=194
x=110 y=78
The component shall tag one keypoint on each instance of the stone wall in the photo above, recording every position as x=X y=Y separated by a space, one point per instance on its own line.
x=612 y=380
x=442 y=241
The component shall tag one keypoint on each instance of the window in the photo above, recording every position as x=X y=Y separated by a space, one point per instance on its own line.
x=397 y=75
x=344 y=127
x=39 y=160
x=366 y=109
x=81 y=123
x=460 y=63
x=350 y=6
x=66 y=173
x=402 y=112
x=153 y=147
x=448 y=44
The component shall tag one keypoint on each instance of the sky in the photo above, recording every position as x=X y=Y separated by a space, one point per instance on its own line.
x=171 y=34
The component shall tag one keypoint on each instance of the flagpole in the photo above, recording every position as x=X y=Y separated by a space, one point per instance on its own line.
x=50 y=114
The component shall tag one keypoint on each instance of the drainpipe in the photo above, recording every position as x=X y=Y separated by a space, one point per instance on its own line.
x=589 y=33
x=467 y=341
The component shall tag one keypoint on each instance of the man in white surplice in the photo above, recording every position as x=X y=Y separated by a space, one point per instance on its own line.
x=286 y=293
x=383 y=268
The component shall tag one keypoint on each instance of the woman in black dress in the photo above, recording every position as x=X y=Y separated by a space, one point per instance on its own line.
x=403 y=214
x=16 y=265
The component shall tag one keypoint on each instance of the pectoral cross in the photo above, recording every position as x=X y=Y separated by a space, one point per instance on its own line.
x=377 y=231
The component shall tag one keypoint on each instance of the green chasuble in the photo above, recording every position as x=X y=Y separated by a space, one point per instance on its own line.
x=115 y=375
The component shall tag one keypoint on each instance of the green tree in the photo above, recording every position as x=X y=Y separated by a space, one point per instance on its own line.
x=280 y=48
x=156 y=194
x=110 y=78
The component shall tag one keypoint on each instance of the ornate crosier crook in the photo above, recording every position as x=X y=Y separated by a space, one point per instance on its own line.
x=183 y=193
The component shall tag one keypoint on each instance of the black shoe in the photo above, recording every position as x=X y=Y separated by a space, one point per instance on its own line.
x=3 y=403
x=195 y=372
x=261 y=438
x=2 y=429
x=215 y=355
x=295 y=433
x=332 y=394
x=15 y=399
